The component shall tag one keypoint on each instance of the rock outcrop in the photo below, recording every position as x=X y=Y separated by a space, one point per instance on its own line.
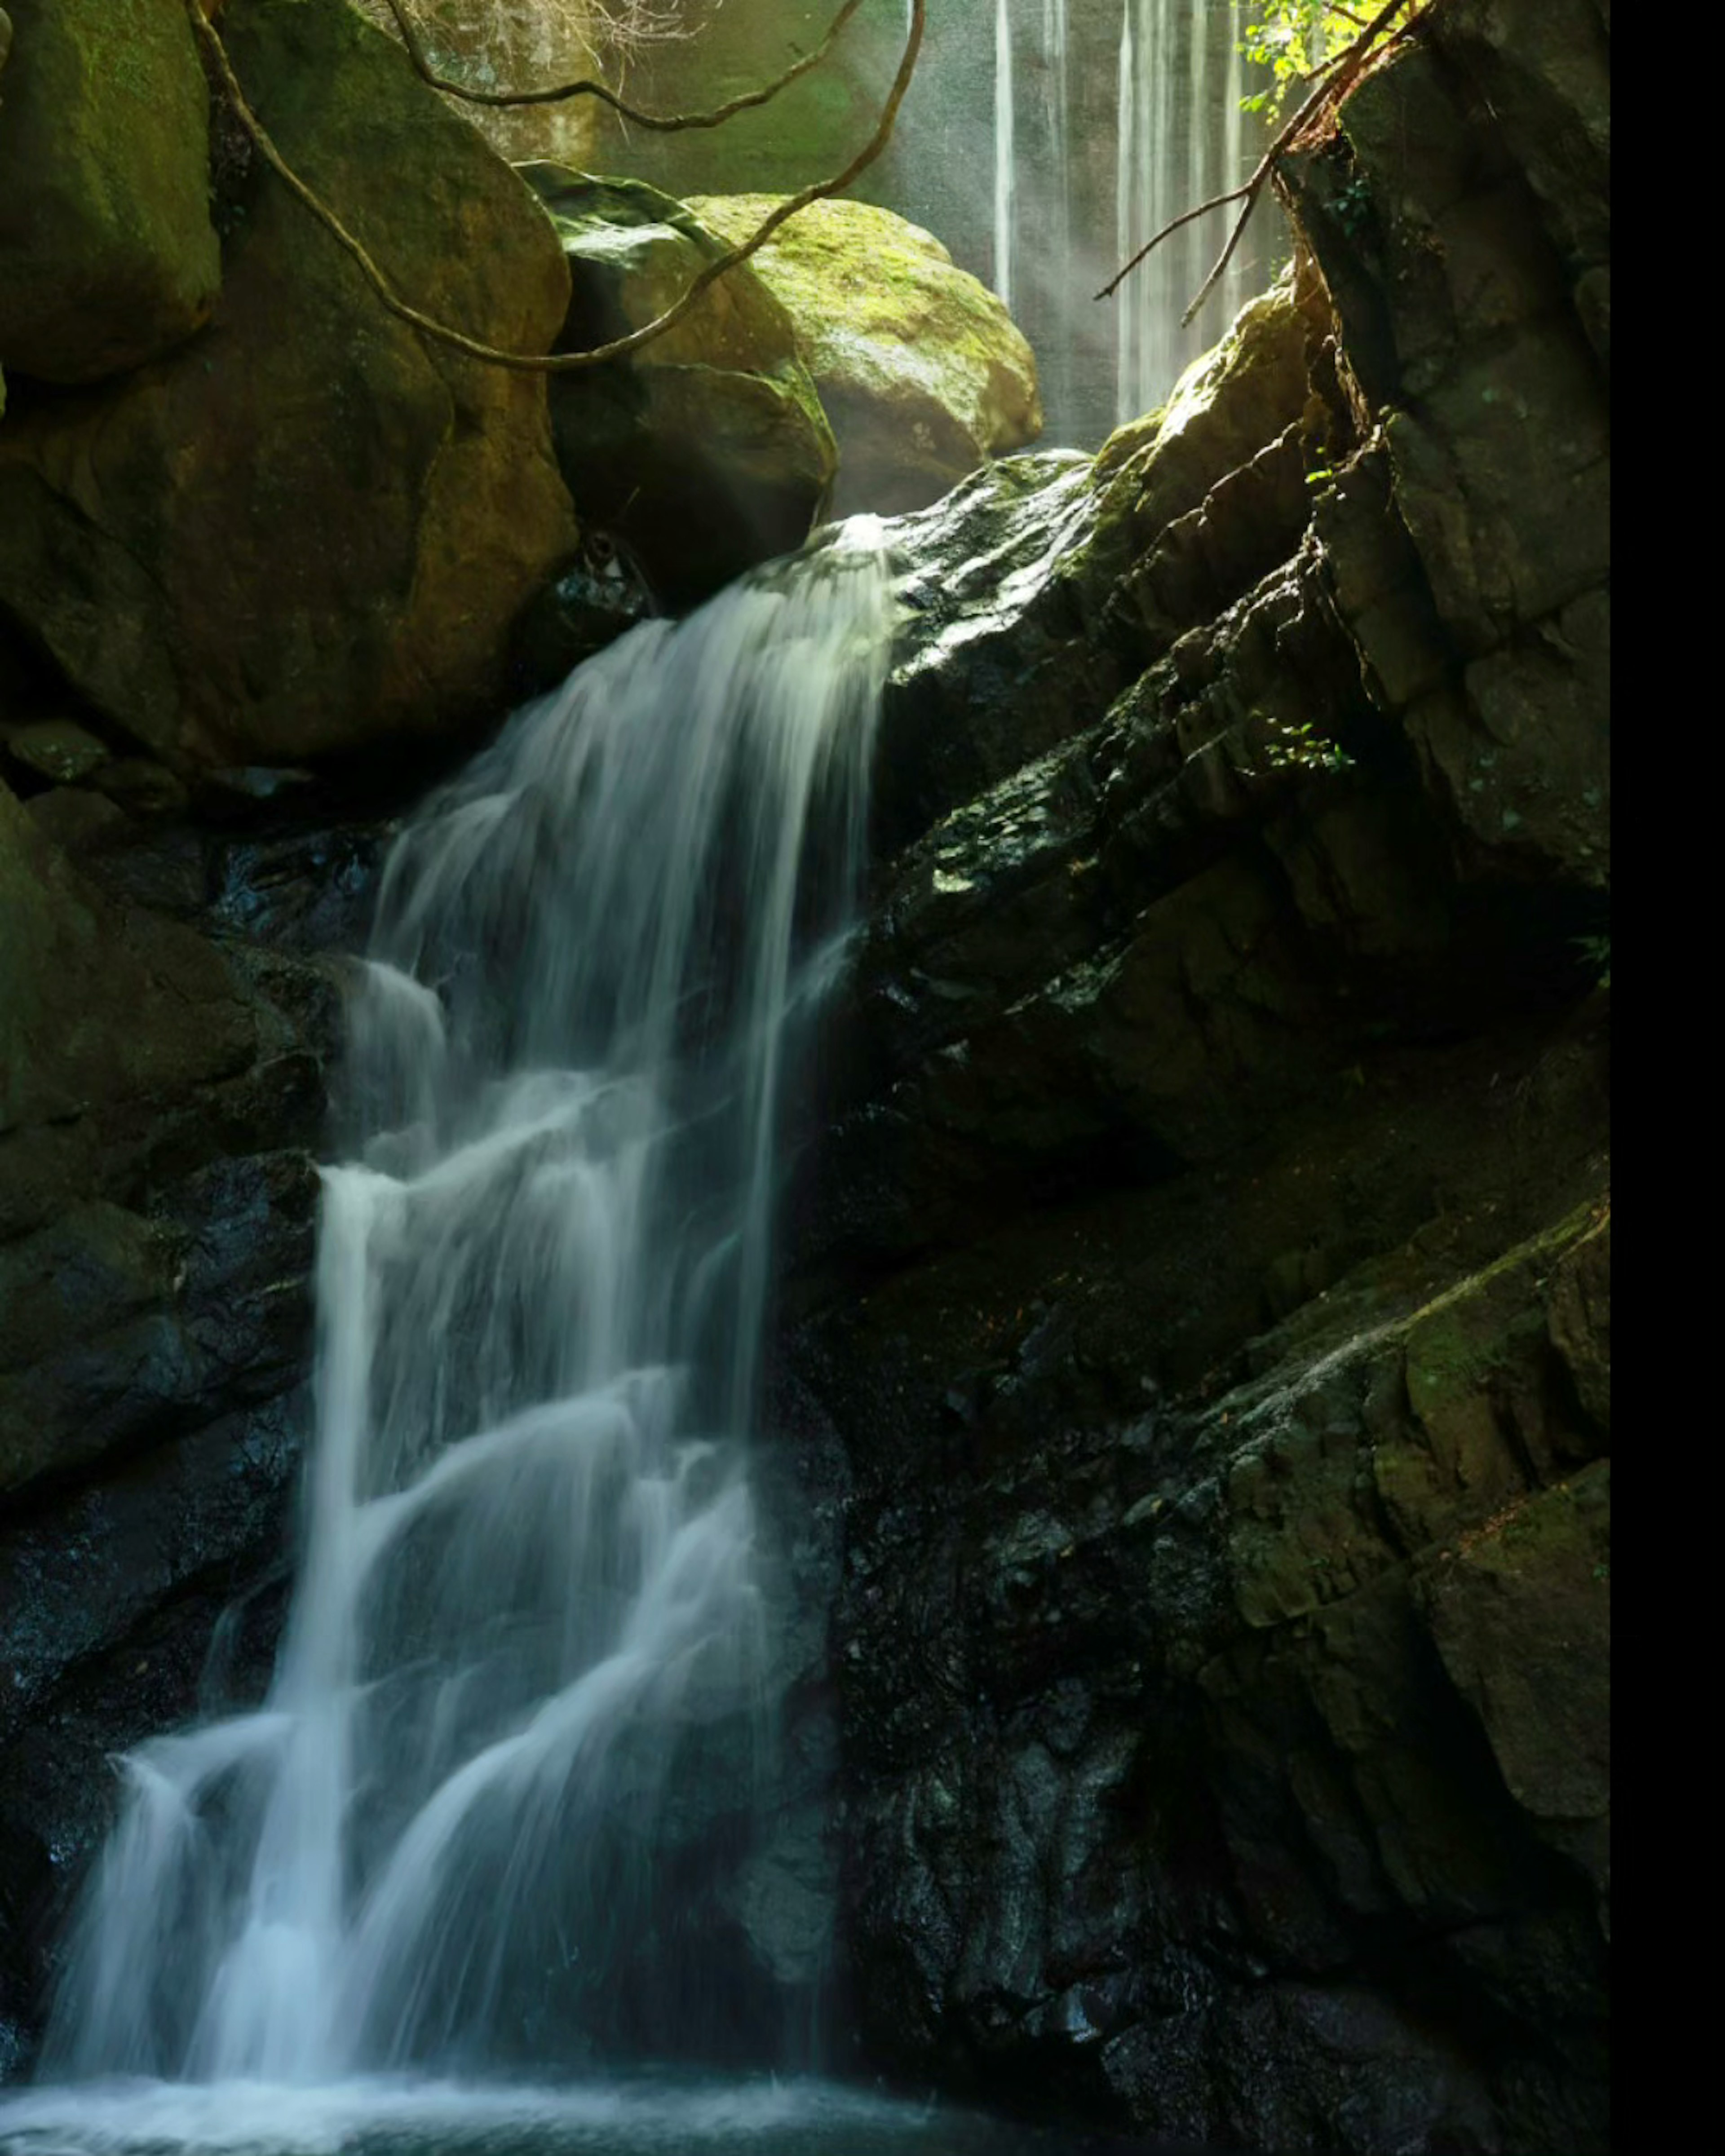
x=306 y=533
x=919 y=368
x=1208 y=1273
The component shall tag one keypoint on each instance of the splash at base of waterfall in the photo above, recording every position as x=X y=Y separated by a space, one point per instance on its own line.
x=527 y=1597
x=644 y=2115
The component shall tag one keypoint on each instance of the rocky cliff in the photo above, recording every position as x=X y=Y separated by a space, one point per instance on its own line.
x=1207 y=1273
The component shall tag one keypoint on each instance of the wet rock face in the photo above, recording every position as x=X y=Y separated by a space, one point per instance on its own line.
x=169 y=1025
x=1207 y=1268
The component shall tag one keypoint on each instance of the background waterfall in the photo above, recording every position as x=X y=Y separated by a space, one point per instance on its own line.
x=1109 y=118
x=1023 y=144
x=527 y=1585
x=1005 y=154
x=1180 y=139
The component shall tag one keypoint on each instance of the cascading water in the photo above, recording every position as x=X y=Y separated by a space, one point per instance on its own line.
x=527 y=1573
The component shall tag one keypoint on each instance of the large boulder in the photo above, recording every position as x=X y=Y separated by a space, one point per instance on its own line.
x=107 y=255
x=707 y=450
x=921 y=369
x=308 y=533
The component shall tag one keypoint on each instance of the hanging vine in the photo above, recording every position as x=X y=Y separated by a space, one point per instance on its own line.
x=200 y=13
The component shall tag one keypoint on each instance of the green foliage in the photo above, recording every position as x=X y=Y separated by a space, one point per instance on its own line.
x=1596 y=954
x=1290 y=38
x=1353 y=205
x=1301 y=747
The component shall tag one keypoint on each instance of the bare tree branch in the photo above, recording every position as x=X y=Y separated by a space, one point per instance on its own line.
x=662 y=122
x=564 y=363
x=1330 y=83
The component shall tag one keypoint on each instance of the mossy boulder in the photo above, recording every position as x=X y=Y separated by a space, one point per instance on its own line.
x=921 y=370
x=107 y=255
x=308 y=532
x=707 y=450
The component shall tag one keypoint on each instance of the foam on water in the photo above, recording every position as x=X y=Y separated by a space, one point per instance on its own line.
x=408 y=2118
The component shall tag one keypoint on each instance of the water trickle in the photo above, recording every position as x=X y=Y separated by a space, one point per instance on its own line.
x=1005 y=155
x=527 y=1572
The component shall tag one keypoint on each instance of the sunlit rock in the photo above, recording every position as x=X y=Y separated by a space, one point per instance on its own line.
x=707 y=451
x=921 y=369
x=531 y=44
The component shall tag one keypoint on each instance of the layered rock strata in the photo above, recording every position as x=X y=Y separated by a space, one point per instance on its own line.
x=1208 y=1274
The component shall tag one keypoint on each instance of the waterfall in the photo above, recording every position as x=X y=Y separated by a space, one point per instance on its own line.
x=1180 y=140
x=1129 y=318
x=1057 y=97
x=526 y=1581
x=1005 y=155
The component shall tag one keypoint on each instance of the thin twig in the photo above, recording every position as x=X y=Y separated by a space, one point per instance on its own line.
x=562 y=362
x=662 y=122
x=1331 y=81
x=1174 y=225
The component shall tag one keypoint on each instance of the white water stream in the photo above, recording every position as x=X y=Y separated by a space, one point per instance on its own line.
x=526 y=1572
x=1006 y=167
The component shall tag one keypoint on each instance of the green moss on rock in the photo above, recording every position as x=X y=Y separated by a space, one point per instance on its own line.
x=921 y=370
x=310 y=532
x=107 y=255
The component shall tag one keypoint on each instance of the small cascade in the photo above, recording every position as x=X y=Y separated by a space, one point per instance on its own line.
x=527 y=1582
x=1005 y=155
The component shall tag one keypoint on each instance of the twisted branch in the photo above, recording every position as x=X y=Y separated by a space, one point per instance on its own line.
x=664 y=123
x=1331 y=84
x=564 y=363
